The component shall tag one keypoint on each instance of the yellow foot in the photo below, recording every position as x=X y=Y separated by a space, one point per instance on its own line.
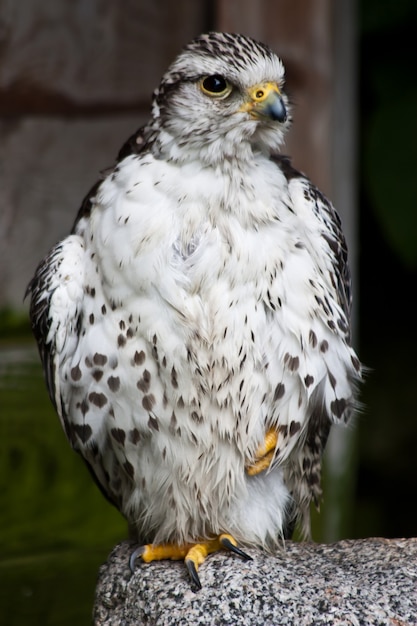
x=194 y=554
x=264 y=454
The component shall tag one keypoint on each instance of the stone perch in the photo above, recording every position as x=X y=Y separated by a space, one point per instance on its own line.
x=369 y=581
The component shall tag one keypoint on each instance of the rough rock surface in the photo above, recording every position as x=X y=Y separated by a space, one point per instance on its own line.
x=369 y=581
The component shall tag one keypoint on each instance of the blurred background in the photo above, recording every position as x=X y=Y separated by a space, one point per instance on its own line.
x=75 y=82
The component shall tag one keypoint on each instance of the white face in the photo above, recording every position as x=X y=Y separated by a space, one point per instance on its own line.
x=224 y=97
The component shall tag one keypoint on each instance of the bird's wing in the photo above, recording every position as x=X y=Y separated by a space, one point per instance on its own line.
x=57 y=298
x=57 y=292
x=329 y=401
x=332 y=237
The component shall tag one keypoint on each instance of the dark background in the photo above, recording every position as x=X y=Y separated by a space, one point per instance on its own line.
x=386 y=488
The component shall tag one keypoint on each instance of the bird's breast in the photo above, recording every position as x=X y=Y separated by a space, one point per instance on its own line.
x=191 y=236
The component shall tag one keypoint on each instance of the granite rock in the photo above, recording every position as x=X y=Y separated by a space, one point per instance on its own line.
x=361 y=582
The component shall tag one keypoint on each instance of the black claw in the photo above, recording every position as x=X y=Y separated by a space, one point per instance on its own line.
x=192 y=570
x=133 y=557
x=226 y=543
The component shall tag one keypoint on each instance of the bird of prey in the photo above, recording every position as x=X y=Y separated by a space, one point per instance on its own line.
x=194 y=327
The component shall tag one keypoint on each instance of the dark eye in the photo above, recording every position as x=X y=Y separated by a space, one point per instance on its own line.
x=215 y=85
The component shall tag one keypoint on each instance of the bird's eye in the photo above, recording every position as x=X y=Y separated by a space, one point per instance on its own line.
x=215 y=86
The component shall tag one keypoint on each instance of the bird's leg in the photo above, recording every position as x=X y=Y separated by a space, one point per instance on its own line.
x=264 y=454
x=194 y=554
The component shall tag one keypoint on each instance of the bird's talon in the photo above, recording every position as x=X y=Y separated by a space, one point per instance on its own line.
x=192 y=570
x=226 y=541
x=132 y=561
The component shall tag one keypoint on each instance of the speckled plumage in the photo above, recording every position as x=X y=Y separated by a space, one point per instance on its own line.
x=202 y=298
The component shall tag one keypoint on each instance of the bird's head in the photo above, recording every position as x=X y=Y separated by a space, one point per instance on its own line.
x=222 y=97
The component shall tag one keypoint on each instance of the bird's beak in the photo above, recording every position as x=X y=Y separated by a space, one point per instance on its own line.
x=265 y=102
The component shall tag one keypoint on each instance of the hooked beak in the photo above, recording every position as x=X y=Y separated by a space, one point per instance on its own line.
x=265 y=102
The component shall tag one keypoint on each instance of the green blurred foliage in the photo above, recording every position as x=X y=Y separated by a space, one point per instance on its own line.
x=389 y=105
x=13 y=325
x=56 y=527
x=49 y=500
x=55 y=589
x=391 y=171
x=381 y=15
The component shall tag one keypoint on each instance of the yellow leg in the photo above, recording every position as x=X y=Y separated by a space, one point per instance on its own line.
x=264 y=454
x=193 y=554
x=159 y=552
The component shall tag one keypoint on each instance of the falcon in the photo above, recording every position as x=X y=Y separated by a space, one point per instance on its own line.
x=194 y=326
